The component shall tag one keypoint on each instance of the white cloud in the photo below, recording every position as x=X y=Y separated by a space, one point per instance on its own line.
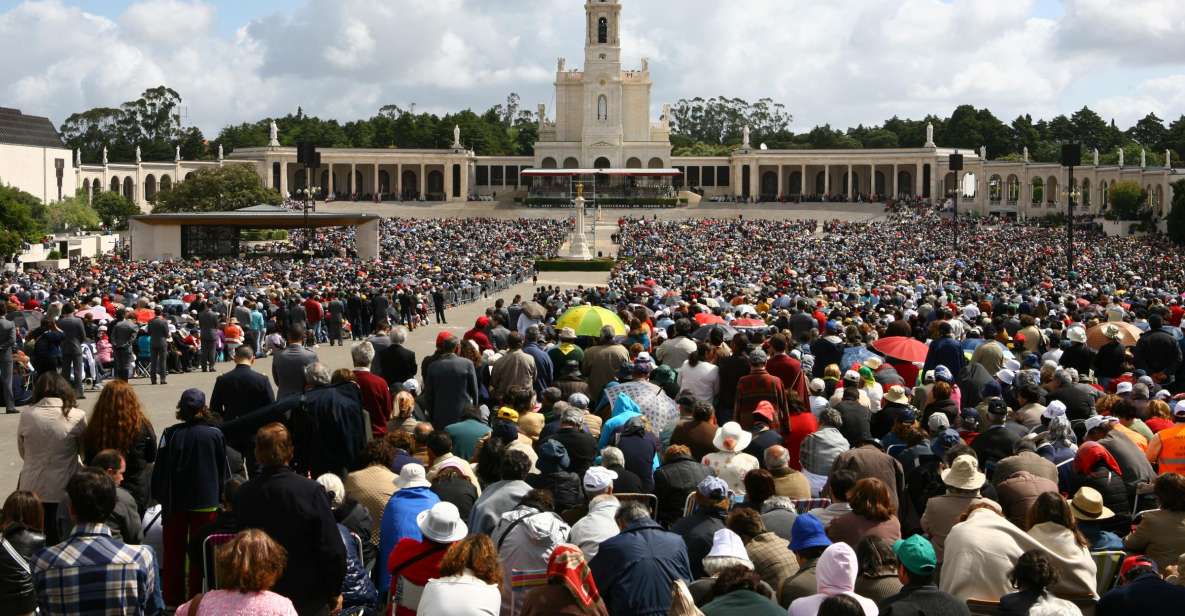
x=841 y=62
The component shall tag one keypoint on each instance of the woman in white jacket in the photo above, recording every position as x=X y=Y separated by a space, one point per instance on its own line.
x=1052 y=524
x=469 y=581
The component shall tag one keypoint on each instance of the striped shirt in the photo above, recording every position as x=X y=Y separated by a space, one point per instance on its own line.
x=92 y=573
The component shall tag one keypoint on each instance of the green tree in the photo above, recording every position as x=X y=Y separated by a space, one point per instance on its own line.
x=1089 y=129
x=72 y=214
x=1176 y=137
x=1149 y=132
x=1176 y=219
x=1126 y=197
x=152 y=122
x=114 y=209
x=216 y=190
x=18 y=221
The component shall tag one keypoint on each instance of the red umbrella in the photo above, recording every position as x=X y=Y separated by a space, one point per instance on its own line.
x=742 y=323
x=642 y=289
x=707 y=318
x=903 y=348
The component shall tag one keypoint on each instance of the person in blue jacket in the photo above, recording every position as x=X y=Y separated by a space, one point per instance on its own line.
x=636 y=569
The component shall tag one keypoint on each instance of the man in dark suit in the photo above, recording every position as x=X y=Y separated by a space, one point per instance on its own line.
x=7 y=344
x=288 y=365
x=379 y=304
x=241 y=390
x=438 y=303
x=450 y=383
x=334 y=314
x=207 y=325
x=242 y=312
x=123 y=339
x=75 y=335
x=295 y=512
x=158 y=336
x=398 y=363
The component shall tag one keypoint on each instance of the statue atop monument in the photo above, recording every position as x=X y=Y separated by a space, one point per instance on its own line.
x=745 y=137
x=137 y=155
x=1096 y=157
x=457 y=137
x=929 y=135
x=1025 y=154
x=273 y=135
x=104 y=155
x=177 y=155
x=559 y=65
x=1120 y=157
x=220 y=152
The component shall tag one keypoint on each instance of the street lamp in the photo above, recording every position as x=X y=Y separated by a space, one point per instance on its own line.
x=310 y=194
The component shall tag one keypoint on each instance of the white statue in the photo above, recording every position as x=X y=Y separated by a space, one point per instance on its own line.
x=104 y=155
x=929 y=135
x=273 y=135
x=137 y=155
x=219 y=151
x=542 y=115
x=645 y=64
x=1143 y=159
x=1120 y=157
x=745 y=137
x=559 y=65
x=1096 y=157
x=77 y=158
x=456 y=136
x=665 y=119
x=983 y=152
x=1168 y=158
x=177 y=155
x=1025 y=154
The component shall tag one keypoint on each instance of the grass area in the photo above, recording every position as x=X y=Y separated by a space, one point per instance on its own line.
x=572 y=265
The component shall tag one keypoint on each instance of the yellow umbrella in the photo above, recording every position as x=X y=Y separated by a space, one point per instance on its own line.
x=588 y=321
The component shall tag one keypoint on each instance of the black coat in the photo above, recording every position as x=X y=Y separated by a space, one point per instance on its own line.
x=857 y=421
x=581 y=446
x=1079 y=357
x=294 y=511
x=191 y=467
x=1079 y=404
x=627 y=481
x=1157 y=351
x=398 y=364
x=240 y=391
x=697 y=531
x=926 y=600
x=565 y=487
x=673 y=481
x=16 y=583
x=993 y=445
x=450 y=384
x=826 y=353
x=458 y=491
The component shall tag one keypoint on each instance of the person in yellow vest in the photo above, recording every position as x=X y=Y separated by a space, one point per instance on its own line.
x=1167 y=447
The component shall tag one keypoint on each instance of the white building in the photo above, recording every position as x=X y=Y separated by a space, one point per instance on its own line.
x=602 y=119
x=33 y=157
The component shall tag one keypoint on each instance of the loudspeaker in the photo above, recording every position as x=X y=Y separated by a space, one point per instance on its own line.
x=955 y=163
x=300 y=152
x=1071 y=154
x=306 y=153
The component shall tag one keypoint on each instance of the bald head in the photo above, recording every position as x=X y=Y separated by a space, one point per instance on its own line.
x=777 y=457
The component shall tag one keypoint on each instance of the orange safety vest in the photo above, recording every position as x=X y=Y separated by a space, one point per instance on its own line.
x=1172 y=449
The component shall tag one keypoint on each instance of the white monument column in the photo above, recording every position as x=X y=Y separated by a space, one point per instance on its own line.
x=448 y=181
x=895 y=192
x=465 y=182
x=399 y=180
x=284 y=178
x=577 y=246
x=848 y=188
x=329 y=188
x=375 y=190
x=423 y=182
x=827 y=179
x=917 y=179
x=352 y=186
x=781 y=171
x=802 y=181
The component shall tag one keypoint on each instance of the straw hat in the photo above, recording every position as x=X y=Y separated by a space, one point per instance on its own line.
x=1087 y=504
x=732 y=430
x=964 y=474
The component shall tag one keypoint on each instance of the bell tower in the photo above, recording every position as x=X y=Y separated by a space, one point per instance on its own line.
x=603 y=132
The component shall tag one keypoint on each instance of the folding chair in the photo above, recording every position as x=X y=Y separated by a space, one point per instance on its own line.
x=1107 y=563
x=983 y=607
x=209 y=566
x=803 y=505
x=689 y=503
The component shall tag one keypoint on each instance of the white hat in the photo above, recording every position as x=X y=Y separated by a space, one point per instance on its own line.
x=1006 y=376
x=334 y=489
x=598 y=478
x=1123 y=387
x=1076 y=334
x=964 y=474
x=1179 y=409
x=412 y=476
x=938 y=422
x=1098 y=421
x=727 y=544
x=817 y=384
x=1012 y=364
x=442 y=523
x=732 y=430
x=1055 y=408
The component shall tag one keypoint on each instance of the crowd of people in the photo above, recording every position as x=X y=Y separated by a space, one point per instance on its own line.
x=750 y=443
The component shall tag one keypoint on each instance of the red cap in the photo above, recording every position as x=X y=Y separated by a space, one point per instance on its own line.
x=1131 y=562
x=483 y=321
x=765 y=410
x=442 y=336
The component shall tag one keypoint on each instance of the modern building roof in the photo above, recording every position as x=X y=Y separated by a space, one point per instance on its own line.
x=20 y=129
x=259 y=216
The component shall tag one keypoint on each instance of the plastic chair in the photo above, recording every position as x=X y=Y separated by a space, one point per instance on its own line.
x=1107 y=563
x=983 y=607
x=209 y=566
x=689 y=503
x=358 y=542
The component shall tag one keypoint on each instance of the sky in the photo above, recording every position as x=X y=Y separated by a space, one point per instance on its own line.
x=837 y=62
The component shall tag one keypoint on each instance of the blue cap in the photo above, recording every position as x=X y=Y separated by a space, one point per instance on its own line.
x=553 y=456
x=192 y=400
x=1031 y=360
x=945 y=440
x=808 y=533
x=942 y=373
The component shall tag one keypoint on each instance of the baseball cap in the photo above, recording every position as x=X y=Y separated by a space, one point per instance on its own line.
x=442 y=337
x=508 y=414
x=598 y=478
x=851 y=376
x=1179 y=409
x=916 y=554
x=807 y=532
x=942 y=373
x=817 y=385
x=1132 y=562
x=1056 y=408
x=1123 y=387
x=713 y=487
x=938 y=422
x=192 y=400
x=1098 y=421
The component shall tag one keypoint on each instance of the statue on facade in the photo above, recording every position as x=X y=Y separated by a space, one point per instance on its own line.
x=645 y=64
x=273 y=135
x=137 y=155
x=665 y=119
x=77 y=158
x=1168 y=158
x=745 y=137
x=542 y=115
x=1143 y=159
x=219 y=151
x=177 y=155
x=457 y=137
x=1025 y=154
x=559 y=65
x=983 y=152
x=104 y=155
x=1096 y=157
x=929 y=135
x=1120 y=157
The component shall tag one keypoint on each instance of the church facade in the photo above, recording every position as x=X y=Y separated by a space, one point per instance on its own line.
x=604 y=118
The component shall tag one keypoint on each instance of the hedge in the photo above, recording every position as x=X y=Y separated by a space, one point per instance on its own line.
x=572 y=265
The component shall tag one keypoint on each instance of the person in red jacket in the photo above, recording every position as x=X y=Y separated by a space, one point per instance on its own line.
x=376 y=395
x=785 y=367
x=478 y=334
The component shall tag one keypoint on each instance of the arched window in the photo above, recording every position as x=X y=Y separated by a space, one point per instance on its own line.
x=602 y=31
x=602 y=108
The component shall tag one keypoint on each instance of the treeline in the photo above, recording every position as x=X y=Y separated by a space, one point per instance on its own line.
x=699 y=127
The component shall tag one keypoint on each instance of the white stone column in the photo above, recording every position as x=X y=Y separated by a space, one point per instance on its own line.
x=736 y=179
x=781 y=171
x=375 y=190
x=284 y=178
x=918 y=189
x=754 y=181
x=802 y=181
x=848 y=188
x=826 y=179
x=895 y=193
x=329 y=188
x=448 y=180
x=465 y=181
x=399 y=180
x=423 y=182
